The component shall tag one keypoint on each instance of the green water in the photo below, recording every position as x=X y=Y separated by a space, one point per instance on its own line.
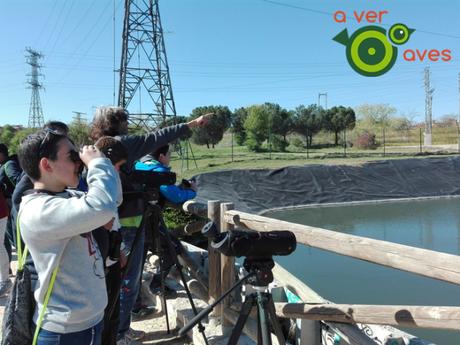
x=433 y=224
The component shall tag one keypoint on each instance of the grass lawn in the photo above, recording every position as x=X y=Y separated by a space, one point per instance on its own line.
x=221 y=157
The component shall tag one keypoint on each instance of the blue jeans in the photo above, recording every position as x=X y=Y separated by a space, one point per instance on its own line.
x=131 y=281
x=90 y=336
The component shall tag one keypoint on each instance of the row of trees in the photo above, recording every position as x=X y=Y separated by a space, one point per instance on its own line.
x=270 y=124
x=13 y=135
x=256 y=124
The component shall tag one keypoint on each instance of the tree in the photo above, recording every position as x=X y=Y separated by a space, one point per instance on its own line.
x=79 y=133
x=447 y=121
x=307 y=121
x=238 y=118
x=213 y=132
x=375 y=115
x=338 y=119
x=256 y=126
x=18 y=137
x=7 y=134
x=280 y=120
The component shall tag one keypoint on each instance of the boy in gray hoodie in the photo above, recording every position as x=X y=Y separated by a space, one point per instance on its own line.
x=56 y=223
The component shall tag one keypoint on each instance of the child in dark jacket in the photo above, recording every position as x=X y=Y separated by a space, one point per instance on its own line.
x=109 y=242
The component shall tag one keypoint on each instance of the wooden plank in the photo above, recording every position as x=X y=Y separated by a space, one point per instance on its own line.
x=424 y=262
x=394 y=315
x=214 y=257
x=306 y=294
x=227 y=264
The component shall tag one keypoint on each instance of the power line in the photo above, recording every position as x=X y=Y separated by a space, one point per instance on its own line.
x=331 y=14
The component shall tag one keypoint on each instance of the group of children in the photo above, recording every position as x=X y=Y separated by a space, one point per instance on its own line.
x=86 y=228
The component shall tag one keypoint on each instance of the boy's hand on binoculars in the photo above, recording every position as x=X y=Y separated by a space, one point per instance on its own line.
x=90 y=152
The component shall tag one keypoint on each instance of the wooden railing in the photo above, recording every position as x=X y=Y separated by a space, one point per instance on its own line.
x=441 y=266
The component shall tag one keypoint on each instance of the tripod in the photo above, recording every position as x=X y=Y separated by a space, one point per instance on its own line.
x=159 y=222
x=260 y=275
x=263 y=300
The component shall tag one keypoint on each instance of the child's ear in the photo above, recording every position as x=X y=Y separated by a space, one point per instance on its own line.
x=44 y=164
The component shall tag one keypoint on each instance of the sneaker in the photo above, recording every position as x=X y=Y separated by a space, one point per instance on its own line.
x=5 y=288
x=132 y=334
x=142 y=312
x=126 y=341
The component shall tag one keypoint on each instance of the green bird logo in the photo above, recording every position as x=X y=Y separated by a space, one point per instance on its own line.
x=369 y=51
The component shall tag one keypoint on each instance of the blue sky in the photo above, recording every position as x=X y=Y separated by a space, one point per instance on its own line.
x=224 y=52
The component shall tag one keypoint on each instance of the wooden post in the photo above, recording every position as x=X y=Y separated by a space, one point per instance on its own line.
x=213 y=255
x=227 y=265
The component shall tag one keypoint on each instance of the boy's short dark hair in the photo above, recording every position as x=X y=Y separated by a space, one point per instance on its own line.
x=57 y=126
x=4 y=149
x=161 y=150
x=35 y=147
x=112 y=148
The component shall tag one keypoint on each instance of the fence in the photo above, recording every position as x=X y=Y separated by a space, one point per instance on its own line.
x=386 y=143
x=441 y=266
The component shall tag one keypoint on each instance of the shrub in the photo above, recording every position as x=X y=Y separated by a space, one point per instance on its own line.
x=366 y=141
x=252 y=143
x=297 y=142
x=278 y=143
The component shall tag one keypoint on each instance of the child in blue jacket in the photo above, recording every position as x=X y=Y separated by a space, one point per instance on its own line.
x=159 y=161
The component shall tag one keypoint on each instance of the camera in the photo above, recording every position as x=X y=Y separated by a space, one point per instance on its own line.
x=250 y=243
x=152 y=179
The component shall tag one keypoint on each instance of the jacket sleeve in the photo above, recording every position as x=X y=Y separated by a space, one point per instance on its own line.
x=11 y=172
x=177 y=195
x=61 y=218
x=140 y=145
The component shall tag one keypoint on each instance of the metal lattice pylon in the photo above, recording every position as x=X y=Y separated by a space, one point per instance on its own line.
x=36 y=119
x=144 y=67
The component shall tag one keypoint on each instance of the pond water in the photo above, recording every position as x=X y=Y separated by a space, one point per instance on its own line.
x=429 y=224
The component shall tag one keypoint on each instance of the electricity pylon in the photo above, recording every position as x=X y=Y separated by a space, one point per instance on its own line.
x=144 y=70
x=36 y=119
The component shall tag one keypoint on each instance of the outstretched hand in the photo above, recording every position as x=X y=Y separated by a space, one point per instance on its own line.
x=200 y=121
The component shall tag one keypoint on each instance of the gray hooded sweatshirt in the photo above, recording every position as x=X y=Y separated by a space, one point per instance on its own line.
x=59 y=225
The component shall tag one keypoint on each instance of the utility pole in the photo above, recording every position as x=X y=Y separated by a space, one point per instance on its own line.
x=36 y=119
x=319 y=99
x=78 y=118
x=144 y=69
x=428 y=108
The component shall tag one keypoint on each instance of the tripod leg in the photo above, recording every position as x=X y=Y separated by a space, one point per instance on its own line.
x=264 y=330
x=274 y=321
x=163 y=298
x=245 y=310
x=172 y=249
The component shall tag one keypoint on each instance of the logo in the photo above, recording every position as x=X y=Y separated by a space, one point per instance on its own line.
x=370 y=51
